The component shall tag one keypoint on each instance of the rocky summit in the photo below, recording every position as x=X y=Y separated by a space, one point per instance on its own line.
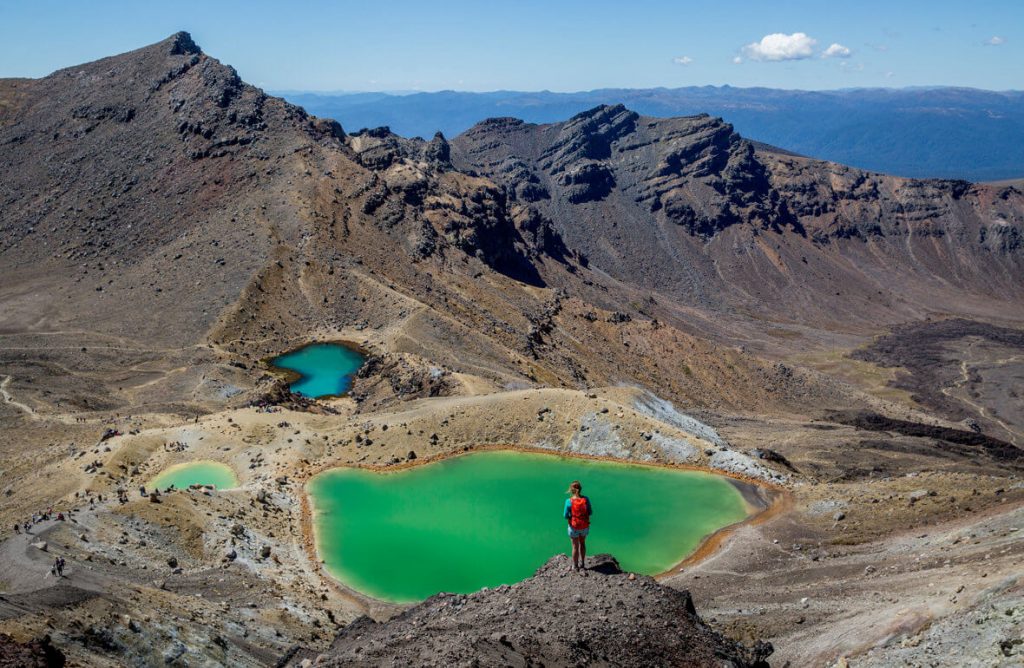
x=596 y=617
x=845 y=345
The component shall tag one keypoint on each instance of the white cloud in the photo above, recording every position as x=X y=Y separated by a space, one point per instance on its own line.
x=682 y=60
x=779 y=46
x=737 y=60
x=994 y=40
x=836 y=50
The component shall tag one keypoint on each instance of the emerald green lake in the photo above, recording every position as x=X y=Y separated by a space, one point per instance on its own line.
x=325 y=369
x=196 y=473
x=493 y=518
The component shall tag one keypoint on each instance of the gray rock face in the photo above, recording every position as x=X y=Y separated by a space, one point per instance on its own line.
x=695 y=172
x=737 y=462
x=596 y=436
x=688 y=206
x=675 y=450
x=660 y=409
x=588 y=136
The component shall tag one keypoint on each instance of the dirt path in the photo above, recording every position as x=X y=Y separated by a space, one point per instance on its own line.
x=25 y=577
x=965 y=378
x=9 y=399
x=73 y=418
x=64 y=418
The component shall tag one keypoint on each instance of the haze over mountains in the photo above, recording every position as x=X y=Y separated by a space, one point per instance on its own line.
x=919 y=132
x=612 y=284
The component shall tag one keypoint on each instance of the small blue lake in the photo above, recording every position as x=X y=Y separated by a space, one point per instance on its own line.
x=324 y=369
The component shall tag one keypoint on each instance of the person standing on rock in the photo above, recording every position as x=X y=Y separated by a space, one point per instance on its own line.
x=577 y=511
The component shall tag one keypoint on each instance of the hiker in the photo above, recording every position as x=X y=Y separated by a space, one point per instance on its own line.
x=60 y=566
x=577 y=511
x=17 y=528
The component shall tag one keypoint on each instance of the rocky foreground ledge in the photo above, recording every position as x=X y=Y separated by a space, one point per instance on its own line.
x=555 y=618
x=32 y=654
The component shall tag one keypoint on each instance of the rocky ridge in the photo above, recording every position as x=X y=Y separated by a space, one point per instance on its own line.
x=669 y=203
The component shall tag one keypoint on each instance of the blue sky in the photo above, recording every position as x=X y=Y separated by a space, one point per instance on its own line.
x=560 y=46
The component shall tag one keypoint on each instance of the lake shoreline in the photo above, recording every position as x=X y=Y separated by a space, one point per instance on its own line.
x=180 y=467
x=762 y=499
x=766 y=503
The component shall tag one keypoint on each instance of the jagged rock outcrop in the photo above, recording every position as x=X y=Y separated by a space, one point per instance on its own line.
x=588 y=136
x=696 y=172
x=414 y=182
x=836 y=202
x=688 y=207
x=555 y=618
x=390 y=378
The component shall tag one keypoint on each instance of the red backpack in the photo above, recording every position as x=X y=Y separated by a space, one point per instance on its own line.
x=579 y=517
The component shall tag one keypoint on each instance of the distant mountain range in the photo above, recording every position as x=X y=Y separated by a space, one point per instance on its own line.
x=962 y=133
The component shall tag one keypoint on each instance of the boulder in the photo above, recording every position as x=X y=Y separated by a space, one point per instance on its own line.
x=917 y=495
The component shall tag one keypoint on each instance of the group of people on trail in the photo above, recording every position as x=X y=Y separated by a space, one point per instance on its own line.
x=57 y=568
x=26 y=526
x=577 y=512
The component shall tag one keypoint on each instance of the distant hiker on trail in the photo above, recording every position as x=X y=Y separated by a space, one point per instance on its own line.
x=577 y=511
x=59 y=566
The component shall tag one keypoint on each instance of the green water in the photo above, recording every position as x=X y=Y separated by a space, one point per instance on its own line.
x=196 y=473
x=326 y=369
x=493 y=518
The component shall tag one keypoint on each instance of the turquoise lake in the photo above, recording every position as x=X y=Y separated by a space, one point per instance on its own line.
x=492 y=518
x=325 y=369
x=196 y=473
